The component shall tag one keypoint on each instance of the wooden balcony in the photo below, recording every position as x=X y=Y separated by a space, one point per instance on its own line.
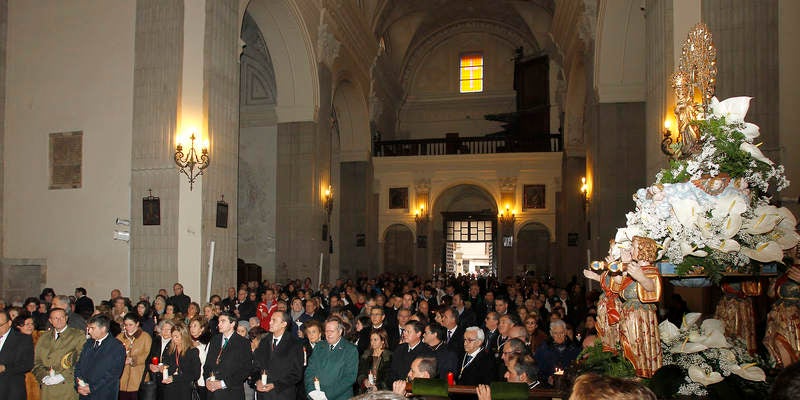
x=453 y=144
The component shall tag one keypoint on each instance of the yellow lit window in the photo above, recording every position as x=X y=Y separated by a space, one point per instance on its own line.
x=471 y=73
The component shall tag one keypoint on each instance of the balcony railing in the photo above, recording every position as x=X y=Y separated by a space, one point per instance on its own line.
x=453 y=144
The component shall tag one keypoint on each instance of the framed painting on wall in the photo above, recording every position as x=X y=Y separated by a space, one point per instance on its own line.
x=533 y=197
x=398 y=198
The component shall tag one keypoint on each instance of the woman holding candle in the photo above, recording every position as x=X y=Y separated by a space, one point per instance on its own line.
x=137 y=348
x=374 y=364
x=201 y=337
x=181 y=367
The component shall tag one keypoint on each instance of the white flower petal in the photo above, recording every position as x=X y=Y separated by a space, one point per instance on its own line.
x=764 y=252
x=729 y=204
x=731 y=226
x=668 y=331
x=754 y=151
x=688 y=348
x=750 y=131
x=698 y=375
x=764 y=221
x=725 y=245
x=750 y=372
x=733 y=109
x=690 y=319
x=686 y=210
x=785 y=239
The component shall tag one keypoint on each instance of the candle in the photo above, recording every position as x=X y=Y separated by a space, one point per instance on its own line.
x=263 y=377
x=154 y=361
x=164 y=372
x=81 y=382
x=451 y=379
x=371 y=378
x=52 y=373
x=316 y=384
x=212 y=378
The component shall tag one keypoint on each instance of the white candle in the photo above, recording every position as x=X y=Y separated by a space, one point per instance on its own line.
x=263 y=377
x=164 y=371
x=316 y=383
x=81 y=382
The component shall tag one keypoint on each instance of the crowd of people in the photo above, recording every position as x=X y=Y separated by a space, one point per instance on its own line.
x=291 y=341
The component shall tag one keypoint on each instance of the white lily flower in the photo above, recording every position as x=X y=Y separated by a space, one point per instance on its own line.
x=698 y=375
x=754 y=151
x=731 y=226
x=733 y=109
x=623 y=235
x=686 y=210
x=729 y=204
x=668 y=331
x=690 y=319
x=688 y=249
x=750 y=372
x=750 y=131
x=765 y=220
x=688 y=348
x=725 y=245
x=787 y=239
x=788 y=220
x=764 y=252
x=712 y=325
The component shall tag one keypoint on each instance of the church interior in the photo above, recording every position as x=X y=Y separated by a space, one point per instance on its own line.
x=337 y=138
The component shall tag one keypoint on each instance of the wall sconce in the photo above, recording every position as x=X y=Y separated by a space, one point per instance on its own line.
x=190 y=163
x=328 y=201
x=667 y=142
x=507 y=216
x=421 y=215
x=585 y=191
x=123 y=234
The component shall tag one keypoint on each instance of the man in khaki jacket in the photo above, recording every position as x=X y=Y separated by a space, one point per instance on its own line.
x=56 y=354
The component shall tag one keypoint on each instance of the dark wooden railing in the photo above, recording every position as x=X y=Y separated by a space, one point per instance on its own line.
x=453 y=144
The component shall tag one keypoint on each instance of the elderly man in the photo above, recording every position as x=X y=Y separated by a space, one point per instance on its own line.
x=476 y=366
x=57 y=351
x=454 y=334
x=180 y=301
x=101 y=362
x=334 y=367
x=280 y=354
x=411 y=348
x=557 y=353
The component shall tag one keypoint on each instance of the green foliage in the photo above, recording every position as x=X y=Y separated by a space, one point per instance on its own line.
x=594 y=359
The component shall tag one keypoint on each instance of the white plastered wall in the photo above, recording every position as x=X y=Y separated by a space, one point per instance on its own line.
x=70 y=67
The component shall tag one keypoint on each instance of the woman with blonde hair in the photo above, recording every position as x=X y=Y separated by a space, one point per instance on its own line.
x=181 y=367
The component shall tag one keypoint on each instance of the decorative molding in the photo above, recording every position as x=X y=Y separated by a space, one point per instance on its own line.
x=587 y=24
x=416 y=55
x=327 y=45
x=422 y=186
x=508 y=185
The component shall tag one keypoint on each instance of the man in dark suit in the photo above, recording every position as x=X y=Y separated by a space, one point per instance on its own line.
x=228 y=362
x=446 y=360
x=180 y=301
x=454 y=334
x=84 y=306
x=377 y=317
x=280 y=355
x=16 y=358
x=411 y=348
x=491 y=331
x=101 y=362
x=466 y=317
x=477 y=367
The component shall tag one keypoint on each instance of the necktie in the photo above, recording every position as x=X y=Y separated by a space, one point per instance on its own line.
x=331 y=347
x=57 y=335
x=274 y=343
x=449 y=335
x=96 y=344
x=224 y=342
x=467 y=360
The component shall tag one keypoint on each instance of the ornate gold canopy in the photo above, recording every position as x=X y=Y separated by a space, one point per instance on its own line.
x=694 y=83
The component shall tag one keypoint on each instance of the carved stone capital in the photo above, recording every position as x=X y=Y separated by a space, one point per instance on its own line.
x=422 y=185
x=508 y=184
x=327 y=45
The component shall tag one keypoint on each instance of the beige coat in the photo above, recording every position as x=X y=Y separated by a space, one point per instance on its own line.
x=61 y=355
x=138 y=349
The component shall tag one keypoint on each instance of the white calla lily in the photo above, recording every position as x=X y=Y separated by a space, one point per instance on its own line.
x=788 y=220
x=785 y=238
x=764 y=221
x=764 y=252
x=731 y=225
x=688 y=347
x=686 y=210
x=750 y=131
x=712 y=325
x=725 y=245
x=623 y=235
x=690 y=319
x=729 y=204
x=667 y=331
x=698 y=375
x=734 y=109
x=688 y=249
x=750 y=372
x=755 y=152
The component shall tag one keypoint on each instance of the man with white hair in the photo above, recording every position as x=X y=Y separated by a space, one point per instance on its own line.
x=557 y=353
x=476 y=367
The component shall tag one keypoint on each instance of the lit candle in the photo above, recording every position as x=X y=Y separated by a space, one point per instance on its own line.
x=81 y=382
x=164 y=372
x=263 y=377
x=316 y=384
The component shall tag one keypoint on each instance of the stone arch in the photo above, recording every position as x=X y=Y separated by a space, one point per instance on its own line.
x=398 y=248
x=353 y=121
x=289 y=42
x=619 y=73
x=514 y=37
x=533 y=247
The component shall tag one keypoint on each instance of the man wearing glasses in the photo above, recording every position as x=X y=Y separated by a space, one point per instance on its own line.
x=446 y=360
x=476 y=366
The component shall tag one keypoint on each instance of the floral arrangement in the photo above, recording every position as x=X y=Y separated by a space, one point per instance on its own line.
x=710 y=212
x=708 y=360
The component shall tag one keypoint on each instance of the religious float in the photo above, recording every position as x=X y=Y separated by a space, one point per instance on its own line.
x=707 y=219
